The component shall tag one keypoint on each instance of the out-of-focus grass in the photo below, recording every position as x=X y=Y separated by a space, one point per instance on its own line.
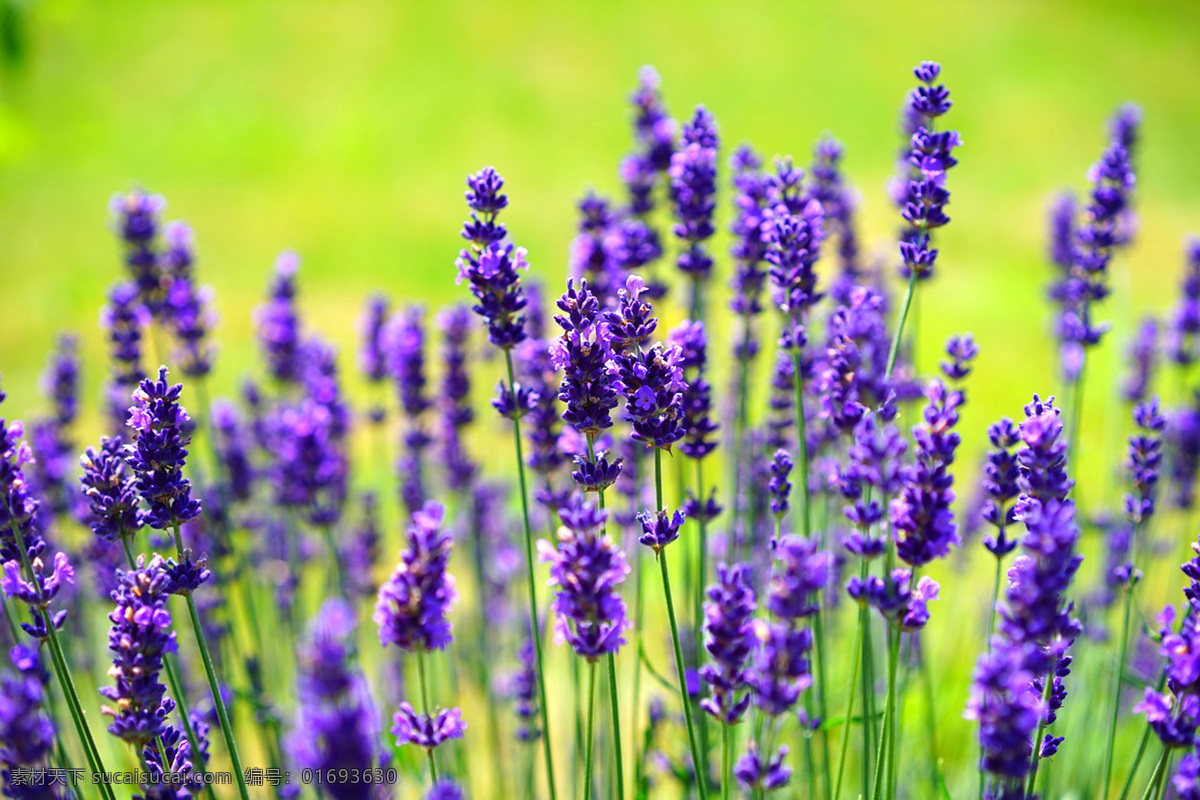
x=344 y=131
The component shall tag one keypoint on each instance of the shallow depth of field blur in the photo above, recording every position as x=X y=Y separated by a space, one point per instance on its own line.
x=344 y=131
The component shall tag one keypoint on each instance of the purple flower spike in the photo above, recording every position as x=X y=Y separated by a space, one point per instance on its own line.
x=693 y=174
x=586 y=570
x=412 y=605
x=1000 y=487
x=875 y=471
x=1145 y=461
x=424 y=730
x=111 y=491
x=1143 y=358
x=729 y=640
x=659 y=529
x=372 y=354
x=780 y=486
x=794 y=245
x=962 y=350
x=26 y=730
x=651 y=379
x=697 y=394
x=596 y=474
x=780 y=669
x=755 y=772
x=582 y=353
x=159 y=450
x=445 y=789
x=454 y=400
x=137 y=222
x=1043 y=460
x=279 y=322
x=1183 y=332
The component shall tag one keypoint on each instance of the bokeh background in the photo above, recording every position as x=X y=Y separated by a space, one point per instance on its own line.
x=344 y=130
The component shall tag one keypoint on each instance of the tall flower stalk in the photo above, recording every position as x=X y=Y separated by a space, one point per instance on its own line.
x=491 y=268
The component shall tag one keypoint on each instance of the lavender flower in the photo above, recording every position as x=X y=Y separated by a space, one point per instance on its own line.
x=425 y=730
x=372 y=355
x=445 y=789
x=137 y=223
x=279 y=322
x=124 y=318
x=406 y=360
x=962 y=350
x=139 y=638
x=930 y=157
x=231 y=439
x=1000 y=475
x=659 y=529
x=1143 y=358
x=756 y=772
x=1043 y=461
x=490 y=266
x=310 y=470
x=50 y=437
x=794 y=245
x=582 y=353
x=838 y=202
x=413 y=603
x=26 y=730
x=158 y=452
x=1145 y=460
x=454 y=397
x=545 y=423
x=729 y=640
x=586 y=570
x=689 y=337
x=189 y=310
x=111 y=491
x=591 y=256
x=693 y=173
x=1005 y=703
x=781 y=486
x=921 y=515
x=1184 y=326
x=524 y=692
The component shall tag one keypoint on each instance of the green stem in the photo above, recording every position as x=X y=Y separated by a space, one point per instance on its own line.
x=726 y=761
x=214 y=685
x=591 y=731
x=616 y=724
x=1048 y=687
x=883 y=757
x=850 y=691
x=1116 y=708
x=1076 y=413
x=334 y=556
x=427 y=709
x=1154 y=787
x=1137 y=759
x=894 y=351
x=533 y=604
x=698 y=611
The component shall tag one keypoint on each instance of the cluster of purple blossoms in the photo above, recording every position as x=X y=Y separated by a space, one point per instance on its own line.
x=1183 y=332
x=780 y=486
x=586 y=571
x=930 y=156
x=427 y=731
x=659 y=528
x=1145 y=461
x=454 y=398
x=232 y=443
x=837 y=201
x=650 y=378
x=174 y=779
x=749 y=250
x=372 y=355
x=921 y=515
x=873 y=473
x=187 y=309
x=690 y=339
x=545 y=423
x=582 y=354
x=309 y=472
x=337 y=727
x=1000 y=474
x=523 y=686
x=137 y=224
x=654 y=132
x=125 y=318
x=895 y=597
x=729 y=640
x=159 y=450
x=1174 y=715
x=781 y=404
x=591 y=255
x=1143 y=355
x=412 y=605
x=110 y=490
x=50 y=437
x=793 y=246
x=490 y=266
x=278 y=322
x=961 y=351
x=139 y=638
x=1043 y=460
x=26 y=730
x=693 y=174
x=406 y=361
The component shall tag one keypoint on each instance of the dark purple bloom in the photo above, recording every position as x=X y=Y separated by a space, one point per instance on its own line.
x=111 y=491
x=445 y=789
x=26 y=730
x=1145 y=461
x=780 y=667
x=233 y=446
x=896 y=598
x=793 y=247
x=930 y=155
x=454 y=397
x=753 y=771
x=179 y=252
x=659 y=529
x=1186 y=780
x=405 y=337
x=159 y=450
x=1043 y=460
x=633 y=321
x=189 y=311
x=654 y=133
x=781 y=486
x=372 y=354
x=1000 y=475
x=1183 y=440
x=1143 y=358
x=1007 y=706
x=962 y=350
x=749 y=248
x=137 y=220
x=838 y=202
x=781 y=415
x=310 y=469
x=413 y=603
x=693 y=174
x=729 y=640
x=586 y=570
x=582 y=353
x=124 y=318
x=516 y=402
x=491 y=266
x=337 y=727
x=591 y=256
x=921 y=515
x=1184 y=326
x=801 y=570
x=524 y=693
x=424 y=730
x=689 y=337
x=279 y=322
x=873 y=473
x=139 y=638
x=545 y=423
x=595 y=474
x=706 y=509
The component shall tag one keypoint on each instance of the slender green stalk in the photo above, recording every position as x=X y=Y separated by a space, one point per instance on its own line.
x=1116 y=708
x=61 y=669
x=338 y=571
x=698 y=611
x=1154 y=787
x=701 y=768
x=726 y=761
x=483 y=663
x=883 y=758
x=1030 y=783
x=894 y=351
x=214 y=685
x=532 y=585
x=427 y=709
x=1137 y=760
x=615 y=705
x=850 y=690
x=930 y=720
x=591 y=731
x=1076 y=412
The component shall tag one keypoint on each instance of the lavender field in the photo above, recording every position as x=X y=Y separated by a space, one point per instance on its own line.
x=769 y=482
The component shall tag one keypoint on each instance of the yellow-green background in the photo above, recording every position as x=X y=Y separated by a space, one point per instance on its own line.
x=343 y=130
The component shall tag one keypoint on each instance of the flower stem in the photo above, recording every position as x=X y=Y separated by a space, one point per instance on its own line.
x=698 y=611
x=1154 y=787
x=894 y=351
x=591 y=731
x=883 y=757
x=855 y=663
x=214 y=685
x=616 y=723
x=1047 y=688
x=427 y=709
x=1116 y=709
x=533 y=604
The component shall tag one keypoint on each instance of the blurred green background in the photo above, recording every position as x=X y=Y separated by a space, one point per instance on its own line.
x=344 y=131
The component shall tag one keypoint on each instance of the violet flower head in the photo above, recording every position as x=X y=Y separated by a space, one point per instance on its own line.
x=698 y=424
x=654 y=130
x=793 y=247
x=455 y=397
x=659 y=528
x=310 y=469
x=139 y=638
x=233 y=444
x=1183 y=331
x=930 y=156
x=895 y=597
x=178 y=256
x=1000 y=475
x=586 y=571
x=137 y=222
x=412 y=605
x=591 y=256
x=693 y=174
x=279 y=322
x=159 y=450
x=189 y=310
x=445 y=789
x=921 y=515
x=1043 y=460
x=651 y=380
x=801 y=571
x=582 y=353
x=632 y=323
x=1143 y=358
x=372 y=354
x=425 y=730
x=961 y=350
x=780 y=668
x=406 y=360
x=524 y=693
x=60 y=381
x=729 y=640
x=781 y=485
x=1007 y=707
x=749 y=249
x=828 y=188
x=337 y=727
x=111 y=491
x=26 y=731
x=491 y=266
x=545 y=422
x=874 y=472
x=781 y=415
x=1145 y=461
x=756 y=772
